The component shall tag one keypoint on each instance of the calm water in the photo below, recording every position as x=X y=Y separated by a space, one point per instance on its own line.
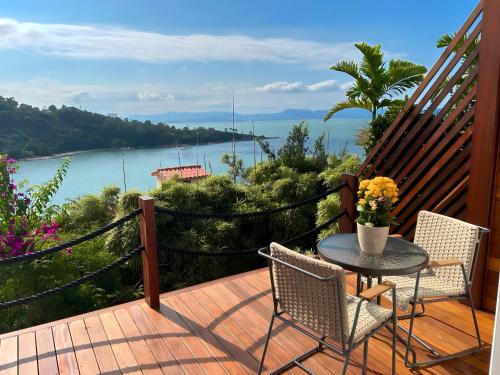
x=89 y=172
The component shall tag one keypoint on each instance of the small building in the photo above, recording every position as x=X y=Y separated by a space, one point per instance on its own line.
x=186 y=173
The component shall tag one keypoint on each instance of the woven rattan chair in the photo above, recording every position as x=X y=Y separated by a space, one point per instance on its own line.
x=312 y=292
x=452 y=246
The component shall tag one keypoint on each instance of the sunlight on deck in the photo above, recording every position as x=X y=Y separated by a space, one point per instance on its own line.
x=217 y=328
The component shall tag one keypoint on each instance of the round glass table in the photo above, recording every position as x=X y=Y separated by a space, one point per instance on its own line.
x=400 y=257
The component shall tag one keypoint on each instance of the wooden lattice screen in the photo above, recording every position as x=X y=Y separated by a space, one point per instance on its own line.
x=443 y=149
x=427 y=148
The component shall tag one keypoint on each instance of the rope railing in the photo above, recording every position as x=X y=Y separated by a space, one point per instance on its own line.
x=72 y=284
x=252 y=251
x=240 y=215
x=71 y=243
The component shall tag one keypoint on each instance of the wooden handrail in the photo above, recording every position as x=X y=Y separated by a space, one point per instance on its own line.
x=150 y=252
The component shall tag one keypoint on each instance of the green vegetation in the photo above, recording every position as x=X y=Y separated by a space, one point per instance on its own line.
x=295 y=173
x=375 y=86
x=29 y=131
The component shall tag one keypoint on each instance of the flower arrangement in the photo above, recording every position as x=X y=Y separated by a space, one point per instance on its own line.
x=376 y=200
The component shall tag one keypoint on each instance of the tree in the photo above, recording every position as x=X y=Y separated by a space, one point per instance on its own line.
x=375 y=85
x=293 y=153
x=235 y=165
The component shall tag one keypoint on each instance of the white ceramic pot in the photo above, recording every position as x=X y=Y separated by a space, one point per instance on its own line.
x=372 y=239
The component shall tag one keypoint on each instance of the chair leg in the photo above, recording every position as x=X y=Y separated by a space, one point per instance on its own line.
x=365 y=356
x=442 y=358
x=346 y=360
x=412 y=318
x=261 y=365
x=473 y=308
x=394 y=331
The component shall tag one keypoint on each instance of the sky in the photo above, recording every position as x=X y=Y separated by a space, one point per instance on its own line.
x=154 y=56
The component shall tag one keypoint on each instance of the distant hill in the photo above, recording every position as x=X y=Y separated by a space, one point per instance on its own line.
x=28 y=131
x=219 y=116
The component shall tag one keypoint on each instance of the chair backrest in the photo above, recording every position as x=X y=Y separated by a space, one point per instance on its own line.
x=444 y=237
x=319 y=305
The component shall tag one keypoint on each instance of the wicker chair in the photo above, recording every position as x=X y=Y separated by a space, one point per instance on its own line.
x=452 y=246
x=312 y=292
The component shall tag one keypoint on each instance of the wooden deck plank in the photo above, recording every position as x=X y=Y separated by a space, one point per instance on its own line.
x=216 y=328
x=209 y=338
x=102 y=349
x=142 y=353
x=27 y=358
x=200 y=351
x=233 y=347
x=123 y=353
x=160 y=350
x=240 y=335
x=180 y=351
x=8 y=356
x=87 y=362
x=257 y=327
x=46 y=352
x=66 y=358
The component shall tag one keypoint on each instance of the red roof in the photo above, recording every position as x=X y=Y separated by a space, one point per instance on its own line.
x=186 y=172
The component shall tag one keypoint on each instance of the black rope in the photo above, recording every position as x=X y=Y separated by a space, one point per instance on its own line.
x=71 y=243
x=239 y=215
x=80 y=281
x=251 y=251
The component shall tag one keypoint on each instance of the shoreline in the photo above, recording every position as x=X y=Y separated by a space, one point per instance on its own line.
x=70 y=153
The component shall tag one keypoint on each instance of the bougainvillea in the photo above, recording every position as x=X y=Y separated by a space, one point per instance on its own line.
x=22 y=228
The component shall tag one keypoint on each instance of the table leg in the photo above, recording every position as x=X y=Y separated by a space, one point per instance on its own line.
x=358 y=284
x=379 y=298
x=368 y=282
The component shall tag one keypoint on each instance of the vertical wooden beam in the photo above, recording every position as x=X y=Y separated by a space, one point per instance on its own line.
x=348 y=197
x=149 y=254
x=485 y=135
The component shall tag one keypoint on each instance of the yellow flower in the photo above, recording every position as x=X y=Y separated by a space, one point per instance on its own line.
x=362 y=201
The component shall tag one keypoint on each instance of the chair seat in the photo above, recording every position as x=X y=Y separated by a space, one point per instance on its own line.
x=429 y=286
x=371 y=316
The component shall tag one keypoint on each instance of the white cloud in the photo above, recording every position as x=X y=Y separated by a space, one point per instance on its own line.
x=324 y=86
x=147 y=98
x=329 y=85
x=346 y=86
x=150 y=93
x=281 y=87
x=108 y=42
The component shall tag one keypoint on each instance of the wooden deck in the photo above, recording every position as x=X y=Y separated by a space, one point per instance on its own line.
x=215 y=328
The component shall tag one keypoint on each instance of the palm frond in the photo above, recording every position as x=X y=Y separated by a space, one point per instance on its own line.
x=347 y=67
x=403 y=75
x=385 y=103
x=347 y=104
x=372 y=64
x=445 y=40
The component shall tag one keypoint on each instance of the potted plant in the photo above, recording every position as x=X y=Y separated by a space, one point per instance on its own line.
x=376 y=199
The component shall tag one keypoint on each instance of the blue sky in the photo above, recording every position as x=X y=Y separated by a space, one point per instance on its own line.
x=141 y=57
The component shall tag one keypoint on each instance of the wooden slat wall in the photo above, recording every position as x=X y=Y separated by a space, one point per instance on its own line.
x=443 y=148
x=493 y=261
x=427 y=148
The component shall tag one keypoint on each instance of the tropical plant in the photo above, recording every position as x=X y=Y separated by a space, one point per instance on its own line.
x=374 y=85
x=234 y=163
x=26 y=217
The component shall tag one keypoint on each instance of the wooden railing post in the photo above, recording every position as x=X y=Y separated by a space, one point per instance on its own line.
x=149 y=254
x=348 y=197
